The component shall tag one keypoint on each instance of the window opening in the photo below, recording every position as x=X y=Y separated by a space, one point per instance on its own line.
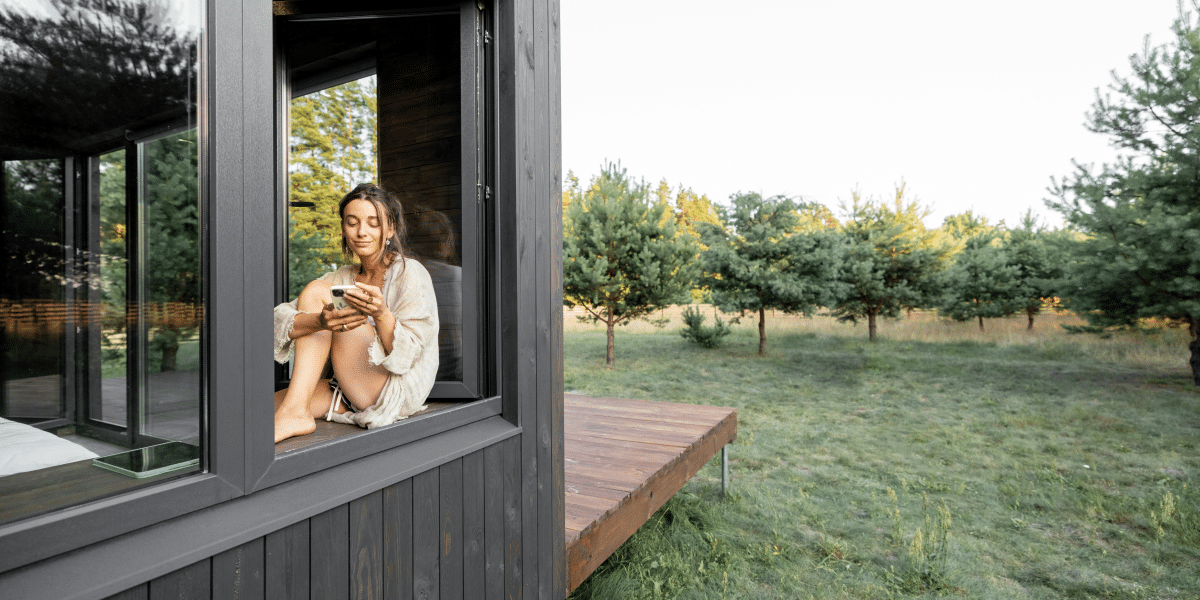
x=381 y=98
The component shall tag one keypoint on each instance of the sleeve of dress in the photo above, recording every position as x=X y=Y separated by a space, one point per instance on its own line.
x=416 y=330
x=285 y=318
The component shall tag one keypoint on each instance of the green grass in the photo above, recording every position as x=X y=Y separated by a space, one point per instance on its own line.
x=1047 y=469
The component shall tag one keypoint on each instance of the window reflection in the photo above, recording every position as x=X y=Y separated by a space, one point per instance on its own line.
x=100 y=293
x=33 y=328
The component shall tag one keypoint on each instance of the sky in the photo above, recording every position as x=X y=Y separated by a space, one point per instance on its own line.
x=971 y=105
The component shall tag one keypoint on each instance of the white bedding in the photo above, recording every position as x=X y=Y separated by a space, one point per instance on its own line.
x=27 y=448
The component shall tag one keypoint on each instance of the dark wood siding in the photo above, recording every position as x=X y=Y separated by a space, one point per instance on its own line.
x=422 y=538
x=472 y=509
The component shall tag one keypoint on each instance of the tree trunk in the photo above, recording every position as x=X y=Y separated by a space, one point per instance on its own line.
x=609 y=357
x=1029 y=312
x=169 y=352
x=980 y=323
x=762 y=331
x=871 y=326
x=1194 y=346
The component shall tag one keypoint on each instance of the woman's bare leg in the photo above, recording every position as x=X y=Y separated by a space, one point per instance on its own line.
x=303 y=401
x=359 y=380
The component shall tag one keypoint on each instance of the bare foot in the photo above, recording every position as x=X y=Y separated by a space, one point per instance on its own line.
x=289 y=424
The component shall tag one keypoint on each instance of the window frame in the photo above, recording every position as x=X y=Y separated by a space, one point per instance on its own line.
x=480 y=385
x=238 y=87
x=228 y=44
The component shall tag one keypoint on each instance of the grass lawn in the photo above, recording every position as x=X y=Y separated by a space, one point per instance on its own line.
x=936 y=462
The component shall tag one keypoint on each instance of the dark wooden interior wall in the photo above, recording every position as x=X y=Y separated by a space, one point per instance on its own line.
x=420 y=145
x=441 y=534
x=420 y=155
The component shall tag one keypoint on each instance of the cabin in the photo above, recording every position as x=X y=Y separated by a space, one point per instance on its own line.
x=152 y=157
x=171 y=173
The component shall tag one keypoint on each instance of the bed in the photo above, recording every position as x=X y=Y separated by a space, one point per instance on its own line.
x=27 y=448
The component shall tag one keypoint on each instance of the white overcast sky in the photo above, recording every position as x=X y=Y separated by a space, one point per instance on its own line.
x=974 y=105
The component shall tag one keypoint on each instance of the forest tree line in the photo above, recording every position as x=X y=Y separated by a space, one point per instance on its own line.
x=1129 y=251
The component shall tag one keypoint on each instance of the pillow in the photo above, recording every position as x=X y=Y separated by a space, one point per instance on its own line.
x=27 y=448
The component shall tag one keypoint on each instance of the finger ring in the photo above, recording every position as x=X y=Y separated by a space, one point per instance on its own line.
x=344 y=327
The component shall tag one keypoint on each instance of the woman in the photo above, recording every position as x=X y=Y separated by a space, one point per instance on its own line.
x=383 y=348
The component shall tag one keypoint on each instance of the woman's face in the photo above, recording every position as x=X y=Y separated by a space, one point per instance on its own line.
x=365 y=230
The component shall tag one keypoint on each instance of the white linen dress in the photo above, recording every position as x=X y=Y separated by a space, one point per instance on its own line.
x=413 y=362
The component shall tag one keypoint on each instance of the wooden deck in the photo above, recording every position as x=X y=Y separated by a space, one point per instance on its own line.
x=624 y=460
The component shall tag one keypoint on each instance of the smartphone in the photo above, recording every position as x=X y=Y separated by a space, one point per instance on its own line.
x=151 y=460
x=339 y=296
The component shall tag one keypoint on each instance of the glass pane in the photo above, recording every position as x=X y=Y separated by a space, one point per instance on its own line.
x=100 y=291
x=332 y=150
x=31 y=268
x=111 y=264
x=171 y=288
x=379 y=100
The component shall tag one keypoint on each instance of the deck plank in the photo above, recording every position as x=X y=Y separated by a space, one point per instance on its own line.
x=623 y=460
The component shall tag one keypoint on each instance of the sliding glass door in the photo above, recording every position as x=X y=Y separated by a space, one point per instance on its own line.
x=100 y=289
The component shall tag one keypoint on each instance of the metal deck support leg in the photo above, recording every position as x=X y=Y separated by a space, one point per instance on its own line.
x=725 y=469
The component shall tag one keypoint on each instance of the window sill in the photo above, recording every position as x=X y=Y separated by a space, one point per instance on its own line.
x=329 y=431
x=351 y=443
x=38 y=492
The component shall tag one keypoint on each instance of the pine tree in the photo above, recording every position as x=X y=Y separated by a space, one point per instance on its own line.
x=761 y=258
x=1039 y=263
x=1140 y=257
x=333 y=148
x=622 y=257
x=893 y=259
x=172 y=243
x=981 y=283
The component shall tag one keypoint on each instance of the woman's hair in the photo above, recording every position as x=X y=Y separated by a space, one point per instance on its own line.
x=388 y=206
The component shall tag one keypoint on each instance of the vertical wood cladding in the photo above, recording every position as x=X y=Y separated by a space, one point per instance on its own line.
x=429 y=537
x=419 y=77
x=420 y=144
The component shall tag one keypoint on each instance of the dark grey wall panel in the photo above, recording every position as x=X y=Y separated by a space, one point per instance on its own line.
x=397 y=541
x=188 y=583
x=141 y=592
x=286 y=562
x=366 y=547
x=329 y=556
x=237 y=573
x=426 y=530
x=493 y=522
x=450 y=507
x=510 y=452
x=548 y=231
x=474 y=569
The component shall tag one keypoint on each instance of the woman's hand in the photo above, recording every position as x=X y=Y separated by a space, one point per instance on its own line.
x=368 y=300
x=339 y=320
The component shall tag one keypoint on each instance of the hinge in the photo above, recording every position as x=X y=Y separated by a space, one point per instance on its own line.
x=487 y=37
x=487 y=193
